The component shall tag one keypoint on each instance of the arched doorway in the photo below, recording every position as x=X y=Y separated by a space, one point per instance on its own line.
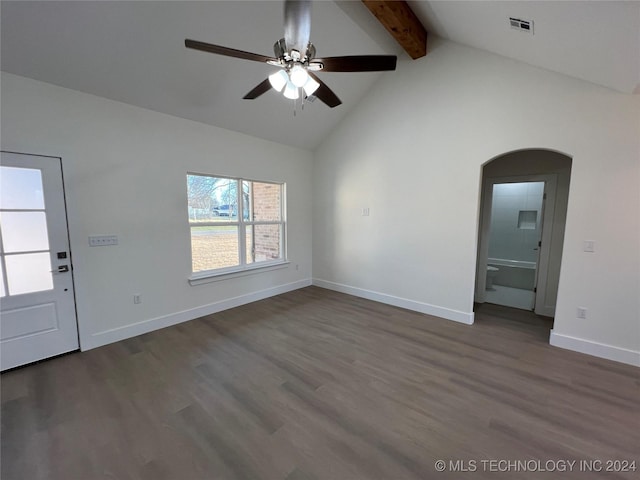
x=522 y=216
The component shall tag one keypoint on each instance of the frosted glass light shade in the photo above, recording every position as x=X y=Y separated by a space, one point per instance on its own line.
x=291 y=91
x=310 y=87
x=278 y=80
x=299 y=76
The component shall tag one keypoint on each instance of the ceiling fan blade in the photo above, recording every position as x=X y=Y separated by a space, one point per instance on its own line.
x=324 y=93
x=228 y=52
x=261 y=88
x=297 y=25
x=358 y=63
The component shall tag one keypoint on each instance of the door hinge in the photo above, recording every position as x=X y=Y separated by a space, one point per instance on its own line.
x=535 y=289
x=540 y=243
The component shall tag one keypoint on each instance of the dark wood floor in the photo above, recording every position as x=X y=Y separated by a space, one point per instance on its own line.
x=315 y=384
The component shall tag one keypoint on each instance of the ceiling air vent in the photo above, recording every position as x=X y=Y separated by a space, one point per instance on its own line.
x=521 y=25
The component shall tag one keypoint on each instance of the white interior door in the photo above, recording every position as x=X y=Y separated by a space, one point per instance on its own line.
x=543 y=304
x=37 y=304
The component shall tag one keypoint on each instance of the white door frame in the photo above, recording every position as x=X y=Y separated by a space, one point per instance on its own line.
x=43 y=323
x=550 y=187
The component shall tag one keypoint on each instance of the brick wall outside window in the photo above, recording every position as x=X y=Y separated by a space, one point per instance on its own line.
x=266 y=207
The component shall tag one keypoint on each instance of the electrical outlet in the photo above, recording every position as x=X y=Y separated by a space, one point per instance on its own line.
x=365 y=212
x=581 y=313
x=589 y=246
x=137 y=298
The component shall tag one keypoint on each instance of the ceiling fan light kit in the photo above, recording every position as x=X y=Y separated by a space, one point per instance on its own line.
x=310 y=86
x=295 y=78
x=291 y=91
x=278 y=80
x=298 y=75
x=290 y=84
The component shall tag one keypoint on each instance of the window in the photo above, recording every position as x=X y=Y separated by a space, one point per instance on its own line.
x=235 y=224
x=25 y=259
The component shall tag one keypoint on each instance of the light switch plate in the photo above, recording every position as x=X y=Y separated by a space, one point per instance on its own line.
x=102 y=240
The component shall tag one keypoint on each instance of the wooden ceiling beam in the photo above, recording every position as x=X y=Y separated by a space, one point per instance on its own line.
x=400 y=21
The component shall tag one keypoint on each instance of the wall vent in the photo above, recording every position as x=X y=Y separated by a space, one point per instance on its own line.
x=521 y=25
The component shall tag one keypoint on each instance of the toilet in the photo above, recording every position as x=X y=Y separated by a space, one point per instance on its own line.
x=491 y=274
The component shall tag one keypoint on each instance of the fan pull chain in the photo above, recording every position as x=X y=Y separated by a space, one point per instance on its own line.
x=295 y=102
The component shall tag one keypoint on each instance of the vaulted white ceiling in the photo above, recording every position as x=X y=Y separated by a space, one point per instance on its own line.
x=134 y=52
x=597 y=41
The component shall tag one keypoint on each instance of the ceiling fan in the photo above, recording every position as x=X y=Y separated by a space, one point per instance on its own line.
x=295 y=56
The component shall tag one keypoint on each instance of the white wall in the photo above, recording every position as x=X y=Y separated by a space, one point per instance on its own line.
x=412 y=152
x=124 y=171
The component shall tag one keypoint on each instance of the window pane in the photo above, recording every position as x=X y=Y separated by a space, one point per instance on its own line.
x=249 y=244
x=211 y=198
x=21 y=188
x=24 y=231
x=28 y=273
x=266 y=201
x=214 y=247
x=264 y=242
x=246 y=200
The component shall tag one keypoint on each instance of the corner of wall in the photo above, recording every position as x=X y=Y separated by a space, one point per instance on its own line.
x=421 y=307
x=595 y=349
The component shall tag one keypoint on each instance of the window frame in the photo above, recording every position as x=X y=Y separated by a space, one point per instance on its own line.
x=241 y=223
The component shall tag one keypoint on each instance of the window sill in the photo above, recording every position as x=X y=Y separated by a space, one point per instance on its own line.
x=208 y=277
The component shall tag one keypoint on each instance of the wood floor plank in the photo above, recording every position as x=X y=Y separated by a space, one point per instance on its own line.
x=314 y=385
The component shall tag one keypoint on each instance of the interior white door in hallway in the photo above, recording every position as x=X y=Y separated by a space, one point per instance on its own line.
x=37 y=304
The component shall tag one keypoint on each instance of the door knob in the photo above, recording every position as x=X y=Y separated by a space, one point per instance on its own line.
x=61 y=269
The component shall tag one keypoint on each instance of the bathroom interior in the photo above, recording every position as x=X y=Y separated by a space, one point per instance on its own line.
x=524 y=201
x=514 y=234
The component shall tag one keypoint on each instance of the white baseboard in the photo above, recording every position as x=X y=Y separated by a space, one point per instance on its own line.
x=602 y=350
x=436 y=311
x=116 y=334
